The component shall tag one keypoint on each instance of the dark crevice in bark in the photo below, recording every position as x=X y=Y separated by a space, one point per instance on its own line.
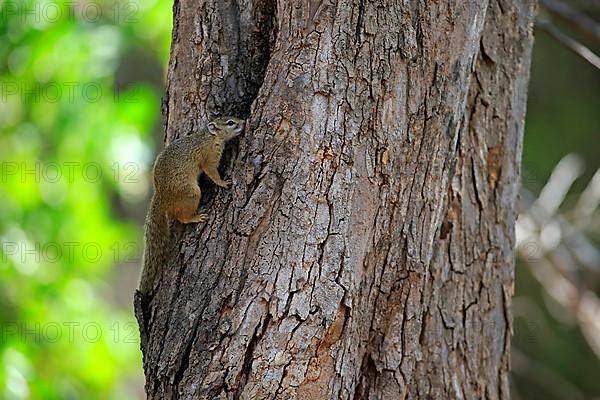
x=368 y=374
x=250 y=48
x=485 y=57
x=359 y=20
x=142 y=313
x=185 y=357
x=164 y=107
x=253 y=47
x=248 y=356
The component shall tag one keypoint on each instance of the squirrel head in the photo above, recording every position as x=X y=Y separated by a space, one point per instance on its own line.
x=226 y=127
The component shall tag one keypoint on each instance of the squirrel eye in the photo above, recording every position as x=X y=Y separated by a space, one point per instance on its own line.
x=230 y=123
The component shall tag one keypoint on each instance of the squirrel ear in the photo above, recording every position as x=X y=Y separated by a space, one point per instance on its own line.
x=212 y=128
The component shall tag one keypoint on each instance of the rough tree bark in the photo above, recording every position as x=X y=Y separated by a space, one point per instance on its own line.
x=366 y=248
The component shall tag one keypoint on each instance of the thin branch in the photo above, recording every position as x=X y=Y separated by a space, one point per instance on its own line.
x=560 y=248
x=554 y=192
x=584 y=250
x=570 y=43
x=581 y=303
x=588 y=201
x=574 y=18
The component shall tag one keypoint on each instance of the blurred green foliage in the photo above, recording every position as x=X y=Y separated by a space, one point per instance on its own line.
x=77 y=117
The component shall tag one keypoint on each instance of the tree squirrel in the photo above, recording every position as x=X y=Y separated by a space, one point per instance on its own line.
x=176 y=191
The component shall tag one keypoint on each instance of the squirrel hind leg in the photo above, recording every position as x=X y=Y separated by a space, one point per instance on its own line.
x=188 y=215
x=185 y=209
x=193 y=219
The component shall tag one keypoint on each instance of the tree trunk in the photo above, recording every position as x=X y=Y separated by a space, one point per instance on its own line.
x=365 y=250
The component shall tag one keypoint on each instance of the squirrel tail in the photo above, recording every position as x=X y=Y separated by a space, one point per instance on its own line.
x=157 y=240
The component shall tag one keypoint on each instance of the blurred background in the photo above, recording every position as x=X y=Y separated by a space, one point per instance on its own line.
x=81 y=86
